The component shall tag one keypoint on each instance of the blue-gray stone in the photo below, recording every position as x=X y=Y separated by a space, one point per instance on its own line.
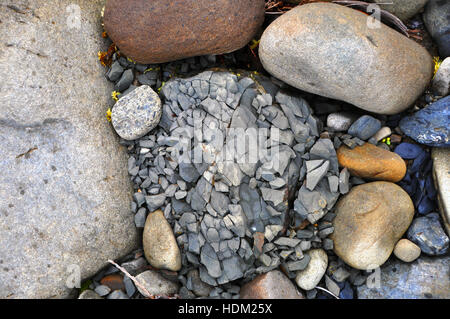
x=365 y=127
x=431 y=125
x=429 y=235
x=408 y=150
x=425 y=278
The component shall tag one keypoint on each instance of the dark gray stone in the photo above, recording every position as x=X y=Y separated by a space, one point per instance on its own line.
x=115 y=72
x=125 y=81
x=429 y=235
x=436 y=17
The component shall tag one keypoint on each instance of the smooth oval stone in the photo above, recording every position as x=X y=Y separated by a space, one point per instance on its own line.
x=329 y=50
x=160 y=246
x=137 y=113
x=369 y=222
x=310 y=277
x=161 y=31
x=372 y=162
x=431 y=125
x=406 y=250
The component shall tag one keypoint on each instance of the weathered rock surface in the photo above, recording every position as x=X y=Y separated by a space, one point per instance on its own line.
x=406 y=250
x=425 y=278
x=308 y=278
x=372 y=162
x=357 y=66
x=436 y=17
x=369 y=222
x=160 y=245
x=403 y=9
x=64 y=189
x=428 y=233
x=156 y=284
x=430 y=125
x=89 y=294
x=271 y=285
x=441 y=176
x=161 y=31
x=137 y=113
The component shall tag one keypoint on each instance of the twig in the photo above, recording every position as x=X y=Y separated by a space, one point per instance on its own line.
x=384 y=14
x=136 y=282
x=327 y=291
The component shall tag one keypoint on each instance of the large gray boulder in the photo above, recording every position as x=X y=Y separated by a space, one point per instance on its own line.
x=64 y=190
x=331 y=50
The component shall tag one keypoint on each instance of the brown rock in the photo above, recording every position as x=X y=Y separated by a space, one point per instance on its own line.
x=160 y=31
x=114 y=282
x=369 y=222
x=372 y=162
x=160 y=246
x=271 y=285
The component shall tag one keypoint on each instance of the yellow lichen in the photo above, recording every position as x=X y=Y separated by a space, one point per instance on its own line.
x=101 y=56
x=115 y=95
x=162 y=84
x=437 y=64
x=108 y=115
x=254 y=43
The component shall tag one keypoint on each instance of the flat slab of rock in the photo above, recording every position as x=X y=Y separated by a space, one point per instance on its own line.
x=65 y=191
x=425 y=278
x=441 y=176
x=156 y=284
x=372 y=162
x=378 y=70
x=271 y=285
x=369 y=222
x=160 y=31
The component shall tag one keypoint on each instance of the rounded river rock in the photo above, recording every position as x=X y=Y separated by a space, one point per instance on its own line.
x=161 y=31
x=329 y=50
x=137 y=113
x=372 y=162
x=369 y=222
x=160 y=246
